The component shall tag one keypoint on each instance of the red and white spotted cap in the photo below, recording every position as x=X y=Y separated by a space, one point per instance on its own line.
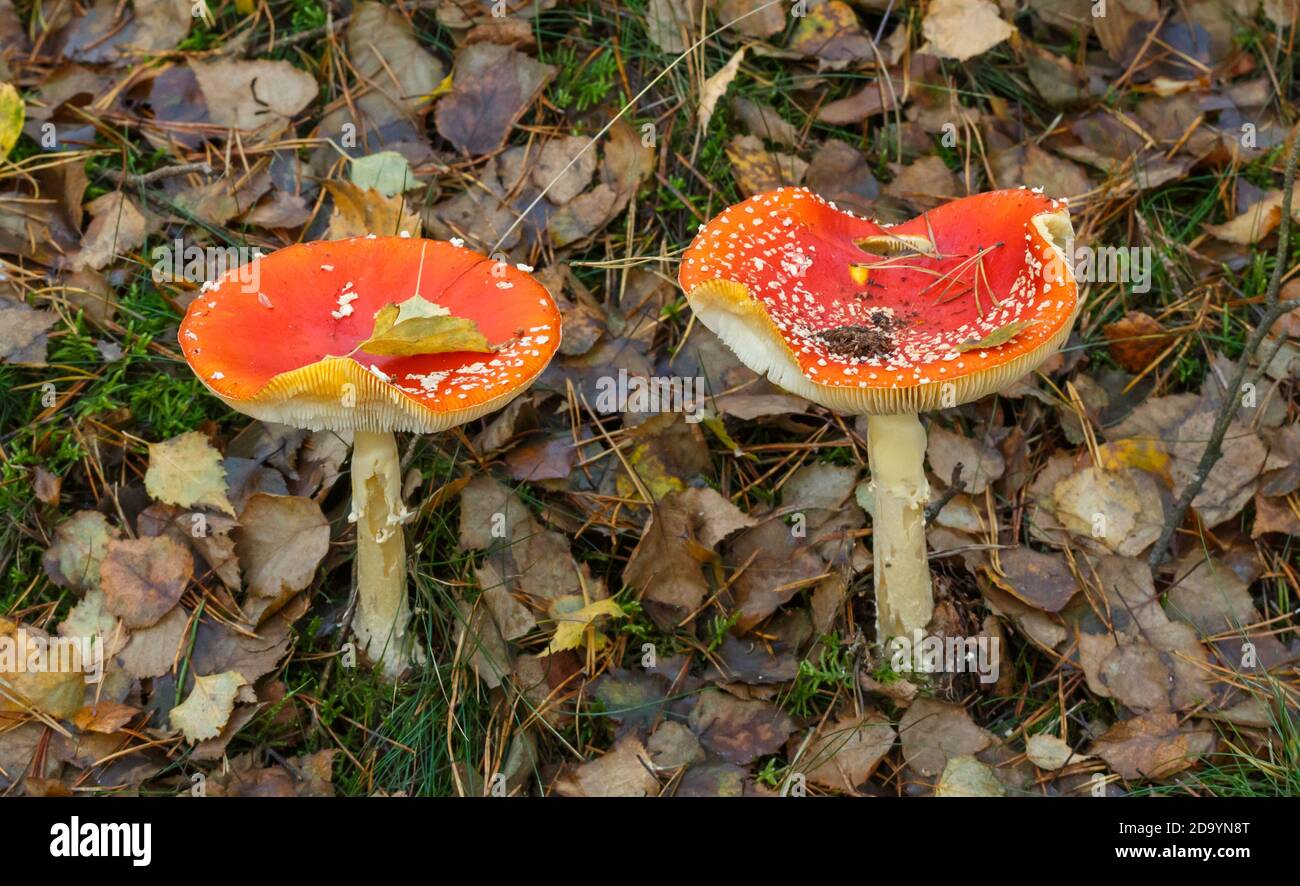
x=286 y=348
x=866 y=318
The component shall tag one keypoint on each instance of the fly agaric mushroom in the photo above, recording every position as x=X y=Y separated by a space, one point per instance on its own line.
x=373 y=335
x=888 y=322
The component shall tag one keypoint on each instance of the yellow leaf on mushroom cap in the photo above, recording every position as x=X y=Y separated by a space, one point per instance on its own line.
x=418 y=326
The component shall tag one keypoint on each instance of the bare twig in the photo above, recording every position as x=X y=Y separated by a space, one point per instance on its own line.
x=954 y=486
x=1244 y=373
x=306 y=36
x=144 y=179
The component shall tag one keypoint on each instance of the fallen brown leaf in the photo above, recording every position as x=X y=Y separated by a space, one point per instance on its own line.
x=981 y=464
x=962 y=29
x=1135 y=340
x=565 y=166
x=844 y=752
x=57 y=693
x=622 y=772
x=756 y=169
x=933 y=732
x=144 y=578
x=23 y=333
x=80 y=545
x=738 y=731
x=492 y=86
x=1231 y=482
x=1152 y=747
x=1044 y=581
x=117 y=228
x=253 y=93
x=280 y=542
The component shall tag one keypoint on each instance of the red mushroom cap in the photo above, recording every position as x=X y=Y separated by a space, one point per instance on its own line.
x=867 y=318
x=284 y=348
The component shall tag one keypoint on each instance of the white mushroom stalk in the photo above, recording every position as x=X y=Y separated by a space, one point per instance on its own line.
x=382 y=616
x=899 y=492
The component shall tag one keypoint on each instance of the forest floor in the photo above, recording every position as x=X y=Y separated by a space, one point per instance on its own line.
x=1153 y=652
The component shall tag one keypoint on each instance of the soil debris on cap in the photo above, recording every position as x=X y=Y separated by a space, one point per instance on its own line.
x=873 y=339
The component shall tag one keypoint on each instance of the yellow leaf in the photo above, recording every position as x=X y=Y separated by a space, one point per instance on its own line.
x=571 y=625
x=658 y=478
x=418 y=326
x=210 y=703
x=441 y=89
x=716 y=86
x=244 y=7
x=719 y=429
x=12 y=114
x=360 y=211
x=1145 y=455
x=55 y=691
x=997 y=337
x=187 y=471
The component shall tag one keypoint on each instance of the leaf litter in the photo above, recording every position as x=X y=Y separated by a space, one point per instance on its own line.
x=697 y=591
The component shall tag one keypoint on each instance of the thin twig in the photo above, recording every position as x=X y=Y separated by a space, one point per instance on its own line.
x=1244 y=373
x=145 y=179
x=306 y=36
x=954 y=486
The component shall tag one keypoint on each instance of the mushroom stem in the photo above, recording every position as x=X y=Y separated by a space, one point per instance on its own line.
x=896 y=453
x=382 y=614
